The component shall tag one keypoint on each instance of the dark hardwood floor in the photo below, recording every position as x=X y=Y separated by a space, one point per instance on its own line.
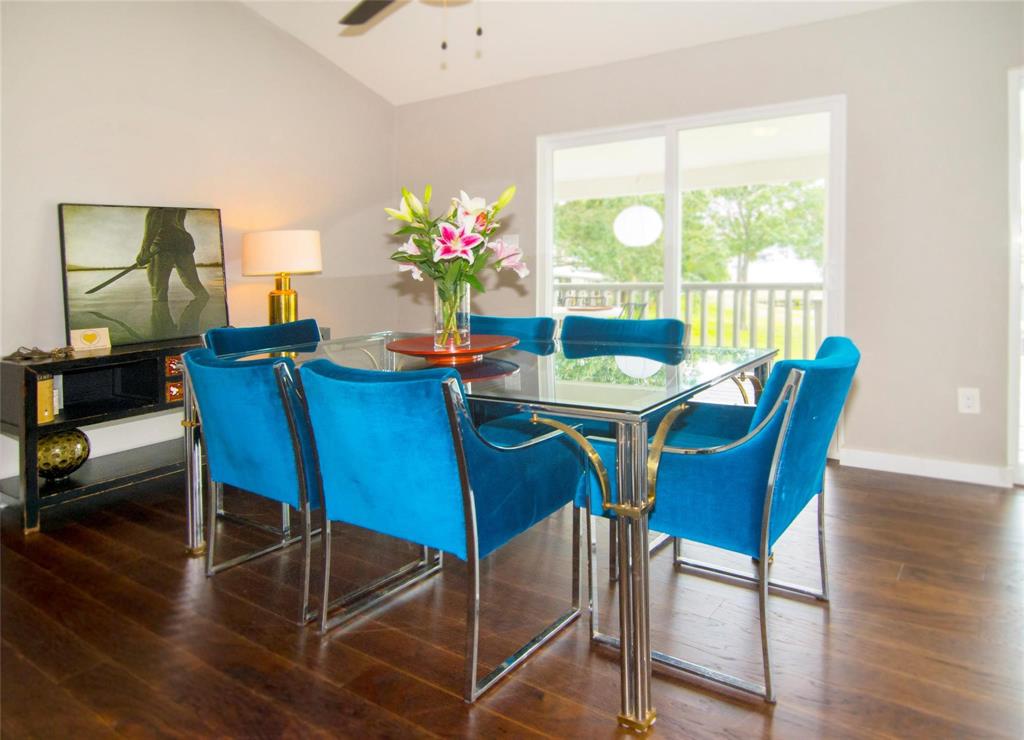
x=109 y=629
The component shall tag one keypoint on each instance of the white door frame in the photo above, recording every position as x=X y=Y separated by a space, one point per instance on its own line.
x=1016 y=202
x=835 y=227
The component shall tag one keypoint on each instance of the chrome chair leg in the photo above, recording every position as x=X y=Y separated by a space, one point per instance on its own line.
x=822 y=555
x=677 y=549
x=286 y=521
x=284 y=532
x=307 y=556
x=762 y=603
x=577 y=515
x=350 y=605
x=213 y=568
x=613 y=551
x=216 y=491
x=325 y=568
x=469 y=691
x=473 y=688
x=592 y=574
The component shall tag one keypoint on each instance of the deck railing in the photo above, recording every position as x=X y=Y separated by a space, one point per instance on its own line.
x=788 y=316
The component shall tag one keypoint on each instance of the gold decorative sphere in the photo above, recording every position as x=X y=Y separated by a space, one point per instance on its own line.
x=62 y=453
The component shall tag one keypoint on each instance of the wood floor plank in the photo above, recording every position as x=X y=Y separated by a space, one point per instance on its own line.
x=36 y=707
x=126 y=635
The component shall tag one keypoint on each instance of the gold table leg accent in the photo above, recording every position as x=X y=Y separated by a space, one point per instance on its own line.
x=638 y=725
x=195 y=552
x=31 y=530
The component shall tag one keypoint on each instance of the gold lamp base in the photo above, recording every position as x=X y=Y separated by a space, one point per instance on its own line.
x=283 y=302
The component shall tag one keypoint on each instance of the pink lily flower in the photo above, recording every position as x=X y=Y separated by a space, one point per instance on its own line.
x=417 y=273
x=509 y=256
x=409 y=248
x=471 y=211
x=455 y=242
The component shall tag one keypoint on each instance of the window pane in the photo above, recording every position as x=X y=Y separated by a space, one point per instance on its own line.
x=753 y=199
x=608 y=224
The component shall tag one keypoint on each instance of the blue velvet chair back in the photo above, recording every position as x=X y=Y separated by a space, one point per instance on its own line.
x=819 y=401
x=231 y=340
x=669 y=332
x=245 y=428
x=387 y=458
x=533 y=328
x=389 y=461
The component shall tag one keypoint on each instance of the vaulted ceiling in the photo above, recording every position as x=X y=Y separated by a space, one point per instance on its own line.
x=399 y=53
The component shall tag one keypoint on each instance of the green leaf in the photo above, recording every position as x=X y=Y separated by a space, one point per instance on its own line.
x=475 y=283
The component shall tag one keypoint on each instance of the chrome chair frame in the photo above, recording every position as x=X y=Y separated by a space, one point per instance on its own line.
x=216 y=491
x=761 y=581
x=284 y=532
x=474 y=688
x=367 y=597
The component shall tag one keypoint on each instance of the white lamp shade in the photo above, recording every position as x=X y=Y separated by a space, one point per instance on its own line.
x=274 y=252
x=637 y=226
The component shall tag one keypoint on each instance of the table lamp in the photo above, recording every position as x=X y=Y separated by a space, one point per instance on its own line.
x=282 y=254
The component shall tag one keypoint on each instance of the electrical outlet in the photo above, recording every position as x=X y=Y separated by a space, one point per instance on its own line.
x=968 y=400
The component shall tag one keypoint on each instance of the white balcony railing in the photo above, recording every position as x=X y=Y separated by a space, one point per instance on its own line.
x=788 y=316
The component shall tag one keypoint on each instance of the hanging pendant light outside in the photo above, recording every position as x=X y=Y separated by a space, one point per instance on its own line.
x=637 y=226
x=640 y=368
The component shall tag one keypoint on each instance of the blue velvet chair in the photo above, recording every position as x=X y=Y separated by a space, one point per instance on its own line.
x=669 y=332
x=536 y=334
x=741 y=493
x=399 y=455
x=249 y=417
x=531 y=328
x=231 y=340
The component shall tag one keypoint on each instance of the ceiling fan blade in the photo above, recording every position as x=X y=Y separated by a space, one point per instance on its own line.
x=364 y=11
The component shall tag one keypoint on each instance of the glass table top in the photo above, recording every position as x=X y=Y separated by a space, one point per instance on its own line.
x=631 y=378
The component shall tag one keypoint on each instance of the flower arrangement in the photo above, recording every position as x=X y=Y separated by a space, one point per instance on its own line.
x=452 y=249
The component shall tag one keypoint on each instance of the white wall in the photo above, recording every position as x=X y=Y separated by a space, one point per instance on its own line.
x=200 y=104
x=926 y=242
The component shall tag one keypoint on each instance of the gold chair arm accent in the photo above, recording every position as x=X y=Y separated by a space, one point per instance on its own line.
x=657 y=447
x=376 y=365
x=626 y=510
x=738 y=380
x=189 y=424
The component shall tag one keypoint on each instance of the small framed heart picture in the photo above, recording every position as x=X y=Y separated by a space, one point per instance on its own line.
x=90 y=339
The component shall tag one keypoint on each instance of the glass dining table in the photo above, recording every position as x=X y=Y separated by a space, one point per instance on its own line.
x=624 y=386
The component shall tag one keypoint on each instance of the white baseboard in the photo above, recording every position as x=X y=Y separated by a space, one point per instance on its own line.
x=986 y=475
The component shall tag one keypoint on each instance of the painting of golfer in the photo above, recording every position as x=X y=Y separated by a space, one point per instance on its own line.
x=145 y=273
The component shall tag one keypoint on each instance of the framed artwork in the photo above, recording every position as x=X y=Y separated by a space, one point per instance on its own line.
x=146 y=273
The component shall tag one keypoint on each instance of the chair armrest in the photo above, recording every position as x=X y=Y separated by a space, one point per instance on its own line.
x=515 y=487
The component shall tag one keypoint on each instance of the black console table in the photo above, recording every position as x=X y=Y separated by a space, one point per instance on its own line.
x=94 y=387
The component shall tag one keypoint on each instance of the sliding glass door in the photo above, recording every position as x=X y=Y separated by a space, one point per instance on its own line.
x=730 y=222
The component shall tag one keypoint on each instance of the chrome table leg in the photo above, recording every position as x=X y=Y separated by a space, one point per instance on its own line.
x=636 y=713
x=195 y=539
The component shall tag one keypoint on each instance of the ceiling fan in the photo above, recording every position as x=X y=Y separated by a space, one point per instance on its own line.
x=364 y=11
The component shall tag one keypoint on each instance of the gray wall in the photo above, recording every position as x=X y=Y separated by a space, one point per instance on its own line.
x=194 y=104
x=927 y=214
x=207 y=104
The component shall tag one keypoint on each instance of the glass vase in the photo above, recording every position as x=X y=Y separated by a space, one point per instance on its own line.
x=451 y=316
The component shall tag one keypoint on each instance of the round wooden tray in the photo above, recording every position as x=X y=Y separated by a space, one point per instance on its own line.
x=485 y=370
x=479 y=345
